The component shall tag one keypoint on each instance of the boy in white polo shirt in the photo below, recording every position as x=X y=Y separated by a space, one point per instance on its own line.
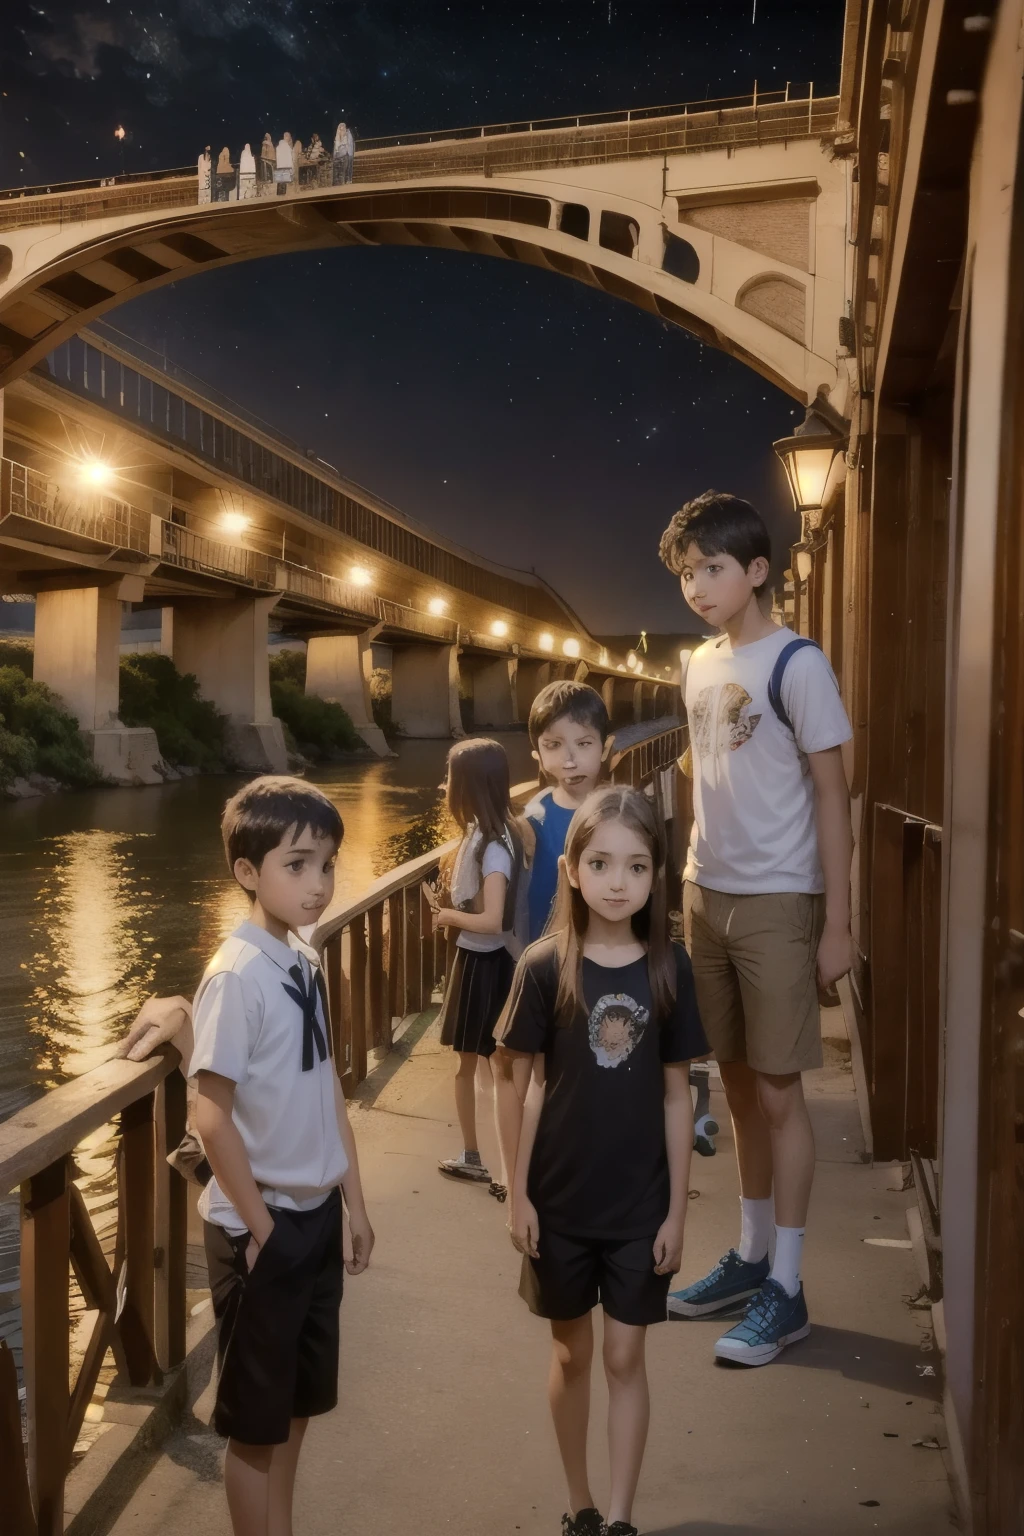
x=273 y=1122
x=766 y=900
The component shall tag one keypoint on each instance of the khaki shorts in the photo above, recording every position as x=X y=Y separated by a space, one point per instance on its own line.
x=755 y=969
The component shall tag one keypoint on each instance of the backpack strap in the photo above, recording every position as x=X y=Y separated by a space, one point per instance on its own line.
x=778 y=672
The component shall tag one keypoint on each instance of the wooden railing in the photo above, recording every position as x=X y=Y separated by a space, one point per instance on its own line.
x=138 y=1299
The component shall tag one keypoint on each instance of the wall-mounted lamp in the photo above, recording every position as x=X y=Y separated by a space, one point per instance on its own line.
x=359 y=576
x=437 y=606
x=808 y=456
x=234 y=522
x=570 y=648
x=499 y=628
x=95 y=473
x=546 y=642
x=804 y=564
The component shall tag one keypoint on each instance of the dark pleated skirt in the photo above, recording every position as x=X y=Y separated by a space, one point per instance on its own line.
x=476 y=993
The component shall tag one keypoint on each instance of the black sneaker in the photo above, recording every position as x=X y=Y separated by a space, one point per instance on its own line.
x=620 y=1528
x=587 y=1523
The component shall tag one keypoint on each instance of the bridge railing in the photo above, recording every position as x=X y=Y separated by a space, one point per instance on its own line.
x=30 y=494
x=730 y=122
x=134 y=1284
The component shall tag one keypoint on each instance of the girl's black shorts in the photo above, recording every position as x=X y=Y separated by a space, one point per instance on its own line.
x=278 y=1327
x=574 y=1274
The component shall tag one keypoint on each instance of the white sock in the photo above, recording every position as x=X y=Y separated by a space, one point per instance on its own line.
x=789 y=1246
x=755 y=1229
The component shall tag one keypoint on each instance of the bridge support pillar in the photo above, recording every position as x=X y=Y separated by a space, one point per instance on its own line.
x=494 y=694
x=338 y=668
x=225 y=645
x=78 y=655
x=531 y=677
x=425 y=691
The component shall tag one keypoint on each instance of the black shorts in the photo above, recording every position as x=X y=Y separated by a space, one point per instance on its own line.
x=278 y=1327
x=574 y=1274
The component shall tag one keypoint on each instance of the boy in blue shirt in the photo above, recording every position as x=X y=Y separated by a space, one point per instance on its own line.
x=571 y=736
x=766 y=900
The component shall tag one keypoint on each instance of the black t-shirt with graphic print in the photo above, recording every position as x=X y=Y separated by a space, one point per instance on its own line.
x=599 y=1167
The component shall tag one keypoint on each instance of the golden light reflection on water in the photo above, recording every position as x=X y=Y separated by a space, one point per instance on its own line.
x=96 y=957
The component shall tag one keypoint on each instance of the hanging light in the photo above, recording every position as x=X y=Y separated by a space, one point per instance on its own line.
x=804 y=564
x=808 y=456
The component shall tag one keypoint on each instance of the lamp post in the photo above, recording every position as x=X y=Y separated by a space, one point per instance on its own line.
x=119 y=135
x=808 y=458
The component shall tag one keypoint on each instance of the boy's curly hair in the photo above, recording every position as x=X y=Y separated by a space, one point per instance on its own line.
x=719 y=524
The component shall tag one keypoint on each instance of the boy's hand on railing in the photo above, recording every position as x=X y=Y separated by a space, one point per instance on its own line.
x=361 y=1234
x=157 y=1023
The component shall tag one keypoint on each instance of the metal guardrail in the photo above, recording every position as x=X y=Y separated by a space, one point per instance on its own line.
x=30 y=494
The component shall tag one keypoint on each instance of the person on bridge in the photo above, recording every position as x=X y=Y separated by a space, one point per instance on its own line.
x=766 y=900
x=273 y=1123
x=284 y=167
x=604 y=1013
x=486 y=881
x=246 y=174
x=343 y=157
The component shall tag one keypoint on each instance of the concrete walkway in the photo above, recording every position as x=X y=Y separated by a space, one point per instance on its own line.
x=443 y=1425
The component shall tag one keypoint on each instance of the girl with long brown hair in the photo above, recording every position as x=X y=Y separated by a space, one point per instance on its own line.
x=486 y=886
x=603 y=1010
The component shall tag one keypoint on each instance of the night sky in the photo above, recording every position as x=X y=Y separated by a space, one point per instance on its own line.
x=537 y=421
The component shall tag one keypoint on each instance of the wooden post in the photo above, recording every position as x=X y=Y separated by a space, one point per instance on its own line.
x=357 y=987
x=340 y=1041
x=171 y=1226
x=427 y=967
x=396 y=956
x=137 y=1172
x=45 y=1261
x=18 y=1517
x=380 y=1017
x=413 y=928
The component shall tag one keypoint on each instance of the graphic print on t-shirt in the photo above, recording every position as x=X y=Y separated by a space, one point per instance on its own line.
x=616 y=1027
x=722 y=723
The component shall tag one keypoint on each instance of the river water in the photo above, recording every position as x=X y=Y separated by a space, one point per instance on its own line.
x=110 y=895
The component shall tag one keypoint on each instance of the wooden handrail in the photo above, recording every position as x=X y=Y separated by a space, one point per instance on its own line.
x=53 y=1126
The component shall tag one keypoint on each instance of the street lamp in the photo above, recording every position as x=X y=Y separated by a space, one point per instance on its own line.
x=119 y=135
x=808 y=456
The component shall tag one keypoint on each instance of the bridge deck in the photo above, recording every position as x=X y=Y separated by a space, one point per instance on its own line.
x=443 y=1424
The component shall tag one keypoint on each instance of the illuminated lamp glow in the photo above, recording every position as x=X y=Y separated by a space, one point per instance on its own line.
x=234 y=522
x=631 y=661
x=96 y=473
x=804 y=564
x=499 y=628
x=546 y=643
x=359 y=576
x=808 y=456
x=570 y=648
x=437 y=606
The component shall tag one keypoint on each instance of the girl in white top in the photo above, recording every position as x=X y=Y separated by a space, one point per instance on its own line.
x=486 y=891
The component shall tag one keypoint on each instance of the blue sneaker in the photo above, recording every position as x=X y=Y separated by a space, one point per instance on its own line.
x=773 y=1320
x=732 y=1281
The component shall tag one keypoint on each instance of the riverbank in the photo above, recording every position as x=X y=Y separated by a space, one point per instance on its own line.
x=42 y=750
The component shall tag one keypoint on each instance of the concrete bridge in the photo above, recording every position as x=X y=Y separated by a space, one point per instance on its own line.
x=728 y=219
x=225 y=530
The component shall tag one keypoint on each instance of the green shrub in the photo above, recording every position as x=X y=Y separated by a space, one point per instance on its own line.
x=289 y=667
x=380 y=702
x=38 y=735
x=189 y=729
x=17 y=653
x=319 y=726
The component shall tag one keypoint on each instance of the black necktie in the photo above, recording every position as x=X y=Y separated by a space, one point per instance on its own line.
x=311 y=1029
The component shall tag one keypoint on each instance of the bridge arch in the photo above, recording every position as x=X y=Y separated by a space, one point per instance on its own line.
x=743 y=247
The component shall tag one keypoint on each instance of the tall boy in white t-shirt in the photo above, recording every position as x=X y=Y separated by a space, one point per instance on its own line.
x=766 y=900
